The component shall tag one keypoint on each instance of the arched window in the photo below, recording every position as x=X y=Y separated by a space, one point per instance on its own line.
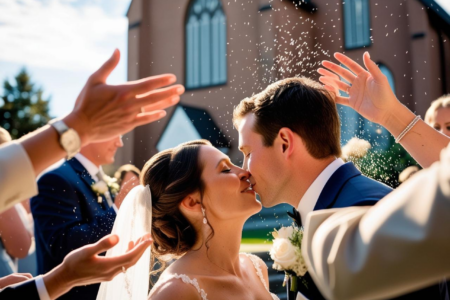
x=206 y=44
x=356 y=23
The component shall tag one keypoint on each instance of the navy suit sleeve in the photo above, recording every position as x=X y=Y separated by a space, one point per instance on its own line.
x=25 y=290
x=63 y=219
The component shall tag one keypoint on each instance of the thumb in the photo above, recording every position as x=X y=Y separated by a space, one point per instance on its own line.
x=372 y=67
x=102 y=74
x=106 y=243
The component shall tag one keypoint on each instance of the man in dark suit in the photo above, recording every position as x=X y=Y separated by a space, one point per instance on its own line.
x=75 y=207
x=290 y=137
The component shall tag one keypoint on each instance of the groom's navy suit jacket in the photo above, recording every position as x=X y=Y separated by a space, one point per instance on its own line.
x=67 y=216
x=348 y=187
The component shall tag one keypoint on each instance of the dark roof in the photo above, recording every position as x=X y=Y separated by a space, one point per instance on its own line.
x=435 y=7
x=206 y=126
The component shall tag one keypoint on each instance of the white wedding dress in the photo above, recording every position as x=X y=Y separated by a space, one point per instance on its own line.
x=254 y=259
x=132 y=222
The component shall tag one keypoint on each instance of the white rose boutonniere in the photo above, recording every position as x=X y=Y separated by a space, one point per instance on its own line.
x=108 y=184
x=287 y=254
x=112 y=184
x=100 y=188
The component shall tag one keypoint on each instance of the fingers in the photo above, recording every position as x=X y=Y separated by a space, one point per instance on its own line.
x=27 y=275
x=149 y=84
x=172 y=92
x=102 y=74
x=349 y=63
x=145 y=118
x=338 y=99
x=130 y=245
x=325 y=72
x=339 y=84
x=339 y=70
x=372 y=67
x=130 y=258
x=101 y=246
x=160 y=105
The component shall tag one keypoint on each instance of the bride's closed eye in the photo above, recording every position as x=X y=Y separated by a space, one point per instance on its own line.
x=226 y=171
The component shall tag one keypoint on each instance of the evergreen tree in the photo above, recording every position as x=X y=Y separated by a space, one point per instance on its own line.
x=23 y=109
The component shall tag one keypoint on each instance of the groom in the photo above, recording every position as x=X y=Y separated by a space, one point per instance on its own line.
x=69 y=212
x=290 y=137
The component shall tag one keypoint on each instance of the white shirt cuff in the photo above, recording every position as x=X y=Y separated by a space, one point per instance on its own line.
x=42 y=290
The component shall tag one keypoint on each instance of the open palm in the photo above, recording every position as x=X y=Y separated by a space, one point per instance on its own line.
x=369 y=91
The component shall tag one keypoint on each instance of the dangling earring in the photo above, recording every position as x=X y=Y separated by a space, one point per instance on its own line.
x=204 y=216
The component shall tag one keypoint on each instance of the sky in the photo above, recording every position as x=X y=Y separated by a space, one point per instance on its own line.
x=61 y=42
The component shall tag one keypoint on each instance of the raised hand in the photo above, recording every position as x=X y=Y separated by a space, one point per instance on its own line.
x=102 y=110
x=371 y=96
x=84 y=266
x=369 y=91
x=13 y=279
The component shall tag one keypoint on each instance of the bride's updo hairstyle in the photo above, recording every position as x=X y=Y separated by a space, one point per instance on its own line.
x=172 y=175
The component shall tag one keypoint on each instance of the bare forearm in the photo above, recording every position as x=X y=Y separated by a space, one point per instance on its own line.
x=14 y=235
x=57 y=282
x=42 y=145
x=422 y=142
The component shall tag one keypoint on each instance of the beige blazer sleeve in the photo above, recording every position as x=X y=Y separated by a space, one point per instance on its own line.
x=399 y=245
x=17 y=178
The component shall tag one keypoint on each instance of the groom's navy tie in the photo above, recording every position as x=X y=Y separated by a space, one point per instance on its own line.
x=295 y=215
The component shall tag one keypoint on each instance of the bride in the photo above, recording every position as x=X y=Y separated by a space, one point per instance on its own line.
x=194 y=202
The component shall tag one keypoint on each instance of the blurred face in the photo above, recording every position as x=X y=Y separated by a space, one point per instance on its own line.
x=441 y=121
x=228 y=193
x=263 y=163
x=102 y=153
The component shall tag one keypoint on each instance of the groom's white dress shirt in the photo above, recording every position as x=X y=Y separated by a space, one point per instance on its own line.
x=309 y=199
x=399 y=245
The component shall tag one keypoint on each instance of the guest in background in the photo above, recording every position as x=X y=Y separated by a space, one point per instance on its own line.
x=75 y=207
x=127 y=177
x=438 y=115
x=126 y=172
x=15 y=238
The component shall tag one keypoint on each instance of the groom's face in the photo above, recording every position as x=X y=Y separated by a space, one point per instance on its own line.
x=262 y=162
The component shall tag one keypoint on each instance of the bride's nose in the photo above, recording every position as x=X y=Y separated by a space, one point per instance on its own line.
x=244 y=175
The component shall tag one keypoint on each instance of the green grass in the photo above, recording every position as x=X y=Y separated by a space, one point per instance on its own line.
x=255 y=241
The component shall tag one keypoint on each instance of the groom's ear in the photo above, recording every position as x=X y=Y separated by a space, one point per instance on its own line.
x=286 y=140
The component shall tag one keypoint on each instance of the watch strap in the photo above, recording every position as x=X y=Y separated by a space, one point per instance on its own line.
x=59 y=125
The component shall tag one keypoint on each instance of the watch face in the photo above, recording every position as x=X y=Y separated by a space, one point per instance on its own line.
x=70 y=141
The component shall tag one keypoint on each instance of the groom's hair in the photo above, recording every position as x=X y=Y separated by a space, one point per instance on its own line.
x=300 y=104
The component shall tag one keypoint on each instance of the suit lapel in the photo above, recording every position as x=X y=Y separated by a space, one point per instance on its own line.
x=334 y=185
x=87 y=178
x=82 y=172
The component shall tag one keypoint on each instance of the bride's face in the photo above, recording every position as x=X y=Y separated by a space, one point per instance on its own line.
x=226 y=193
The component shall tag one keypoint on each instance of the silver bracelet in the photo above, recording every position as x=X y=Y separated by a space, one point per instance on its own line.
x=407 y=129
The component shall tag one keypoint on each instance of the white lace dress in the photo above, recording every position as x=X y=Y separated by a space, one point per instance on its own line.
x=254 y=259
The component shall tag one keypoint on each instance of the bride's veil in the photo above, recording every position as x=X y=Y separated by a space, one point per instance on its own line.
x=132 y=222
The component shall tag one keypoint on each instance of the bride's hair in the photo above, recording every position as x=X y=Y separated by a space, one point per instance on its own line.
x=172 y=175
